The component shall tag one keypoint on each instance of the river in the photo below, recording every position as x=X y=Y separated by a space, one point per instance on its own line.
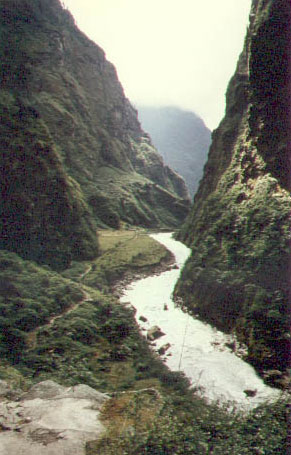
x=196 y=348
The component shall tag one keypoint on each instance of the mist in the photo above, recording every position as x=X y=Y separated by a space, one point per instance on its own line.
x=169 y=52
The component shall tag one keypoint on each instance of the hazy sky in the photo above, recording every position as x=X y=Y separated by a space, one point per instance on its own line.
x=169 y=52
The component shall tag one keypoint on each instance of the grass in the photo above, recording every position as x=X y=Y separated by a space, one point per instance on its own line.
x=122 y=252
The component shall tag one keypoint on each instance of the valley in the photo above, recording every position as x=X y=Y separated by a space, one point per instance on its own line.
x=209 y=358
x=104 y=317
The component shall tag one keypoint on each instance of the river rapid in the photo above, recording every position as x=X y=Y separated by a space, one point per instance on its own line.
x=196 y=348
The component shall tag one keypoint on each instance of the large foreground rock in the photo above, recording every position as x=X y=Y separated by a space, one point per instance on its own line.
x=51 y=420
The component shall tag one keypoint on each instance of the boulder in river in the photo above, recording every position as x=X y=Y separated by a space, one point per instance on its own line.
x=163 y=349
x=154 y=333
x=250 y=393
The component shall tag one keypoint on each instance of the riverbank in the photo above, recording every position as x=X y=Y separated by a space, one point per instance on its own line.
x=204 y=354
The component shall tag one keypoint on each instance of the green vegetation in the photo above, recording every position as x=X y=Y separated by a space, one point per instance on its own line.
x=146 y=423
x=59 y=327
x=30 y=296
x=43 y=214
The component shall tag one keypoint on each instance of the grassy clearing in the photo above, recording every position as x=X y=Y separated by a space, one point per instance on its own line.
x=131 y=248
x=110 y=239
x=122 y=252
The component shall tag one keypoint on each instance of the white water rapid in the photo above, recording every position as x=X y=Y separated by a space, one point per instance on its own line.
x=196 y=348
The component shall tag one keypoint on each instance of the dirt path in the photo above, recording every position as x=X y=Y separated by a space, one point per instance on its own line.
x=32 y=336
x=68 y=310
x=88 y=270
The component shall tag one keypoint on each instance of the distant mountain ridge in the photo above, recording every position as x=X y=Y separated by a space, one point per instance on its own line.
x=181 y=137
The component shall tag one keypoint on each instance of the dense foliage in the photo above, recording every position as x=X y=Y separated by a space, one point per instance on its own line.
x=43 y=214
x=54 y=326
x=186 y=425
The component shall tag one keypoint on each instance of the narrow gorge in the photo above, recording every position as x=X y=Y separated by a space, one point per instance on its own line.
x=87 y=207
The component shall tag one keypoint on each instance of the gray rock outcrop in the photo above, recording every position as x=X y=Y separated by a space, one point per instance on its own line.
x=50 y=419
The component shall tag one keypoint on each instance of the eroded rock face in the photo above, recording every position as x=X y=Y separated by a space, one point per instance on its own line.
x=50 y=420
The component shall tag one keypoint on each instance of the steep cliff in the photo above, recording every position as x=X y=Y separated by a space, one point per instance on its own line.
x=43 y=213
x=182 y=139
x=237 y=275
x=73 y=153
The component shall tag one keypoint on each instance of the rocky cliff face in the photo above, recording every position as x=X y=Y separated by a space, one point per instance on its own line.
x=182 y=139
x=73 y=153
x=237 y=276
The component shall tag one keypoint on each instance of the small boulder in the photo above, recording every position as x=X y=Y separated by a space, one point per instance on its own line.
x=44 y=390
x=154 y=333
x=143 y=319
x=162 y=350
x=250 y=393
x=51 y=419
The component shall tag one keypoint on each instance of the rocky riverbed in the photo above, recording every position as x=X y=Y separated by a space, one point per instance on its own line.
x=206 y=355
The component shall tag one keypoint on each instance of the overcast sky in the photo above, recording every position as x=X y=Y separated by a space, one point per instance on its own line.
x=169 y=52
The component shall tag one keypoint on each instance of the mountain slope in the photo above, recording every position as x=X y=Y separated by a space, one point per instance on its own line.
x=182 y=139
x=68 y=325
x=237 y=276
x=43 y=213
x=60 y=95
